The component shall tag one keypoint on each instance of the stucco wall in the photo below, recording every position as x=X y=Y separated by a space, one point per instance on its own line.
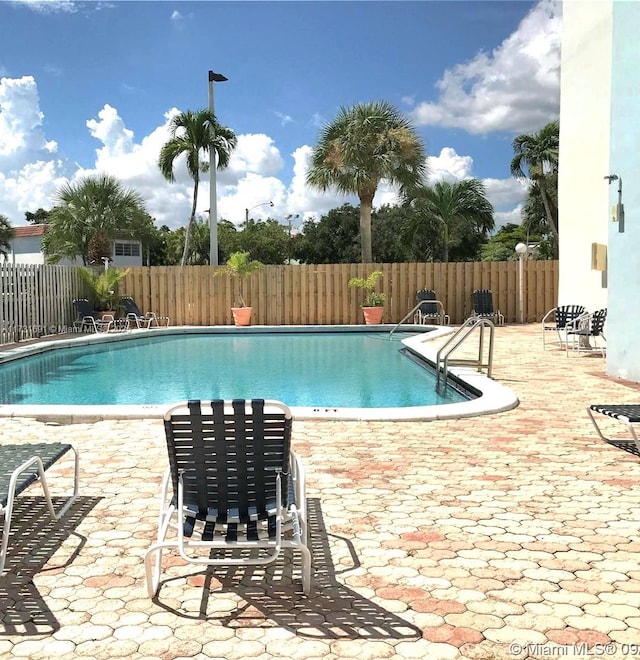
x=583 y=194
x=623 y=358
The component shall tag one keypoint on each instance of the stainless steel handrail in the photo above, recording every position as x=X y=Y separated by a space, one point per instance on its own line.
x=413 y=310
x=461 y=334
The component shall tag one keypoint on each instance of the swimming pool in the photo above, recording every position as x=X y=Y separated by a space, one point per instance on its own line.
x=344 y=373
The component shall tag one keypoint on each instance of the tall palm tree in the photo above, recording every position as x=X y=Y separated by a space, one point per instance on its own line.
x=6 y=234
x=361 y=147
x=460 y=209
x=88 y=213
x=536 y=158
x=191 y=136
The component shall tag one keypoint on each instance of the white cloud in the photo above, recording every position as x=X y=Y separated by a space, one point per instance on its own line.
x=284 y=119
x=32 y=169
x=48 y=6
x=20 y=116
x=449 y=166
x=514 y=88
x=255 y=153
x=29 y=173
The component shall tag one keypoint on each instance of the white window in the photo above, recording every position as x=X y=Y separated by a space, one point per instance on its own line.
x=127 y=249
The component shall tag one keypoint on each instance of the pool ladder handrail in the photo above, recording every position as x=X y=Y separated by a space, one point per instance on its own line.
x=457 y=339
x=413 y=310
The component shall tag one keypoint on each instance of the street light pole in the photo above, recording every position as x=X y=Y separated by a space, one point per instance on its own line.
x=246 y=212
x=213 y=196
x=521 y=251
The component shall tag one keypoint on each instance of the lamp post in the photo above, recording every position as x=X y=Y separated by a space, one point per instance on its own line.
x=618 y=209
x=246 y=212
x=213 y=198
x=289 y=218
x=521 y=251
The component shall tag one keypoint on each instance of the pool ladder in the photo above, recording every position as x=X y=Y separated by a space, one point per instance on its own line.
x=443 y=357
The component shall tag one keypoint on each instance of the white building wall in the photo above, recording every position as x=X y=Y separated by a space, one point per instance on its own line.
x=585 y=119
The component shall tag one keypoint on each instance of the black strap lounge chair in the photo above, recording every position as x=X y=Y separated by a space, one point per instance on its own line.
x=628 y=414
x=586 y=333
x=134 y=315
x=234 y=483
x=88 y=320
x=483 y=306
x=557 y=319
x=20 y=466
x=431 y=310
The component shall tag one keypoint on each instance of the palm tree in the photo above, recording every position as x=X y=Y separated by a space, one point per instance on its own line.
x=460 y=208
x=6 y=234
x=538 y=153
x=361 y=147
x=88 y=214
x=191 y=136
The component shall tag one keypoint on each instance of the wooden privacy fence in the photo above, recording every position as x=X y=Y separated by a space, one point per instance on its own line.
x=36 y=300
x=318 y=295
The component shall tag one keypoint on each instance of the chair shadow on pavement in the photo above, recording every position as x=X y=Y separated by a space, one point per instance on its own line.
x=273 y=595
x=35 y=537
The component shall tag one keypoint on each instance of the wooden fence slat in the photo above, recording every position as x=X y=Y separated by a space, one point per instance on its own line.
x=36 y=299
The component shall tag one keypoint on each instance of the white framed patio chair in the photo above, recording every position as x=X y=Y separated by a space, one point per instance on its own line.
x=483 y=306
x=431 y=310
x=586 y=333
x=88 y=320
x=135 y=316
x=557 y=319
x=233 y=483
x=20 y=466
x=628 y=414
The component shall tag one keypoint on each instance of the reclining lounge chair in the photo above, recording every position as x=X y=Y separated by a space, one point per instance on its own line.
x=235 y=484
x=628 y=414
x=134 y=315
x=483 y=306
x=20 y=466
x=430 y=310
x=88 y=320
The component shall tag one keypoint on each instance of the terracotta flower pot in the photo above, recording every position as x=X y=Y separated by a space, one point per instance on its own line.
x=372 y=315
x=241 y=315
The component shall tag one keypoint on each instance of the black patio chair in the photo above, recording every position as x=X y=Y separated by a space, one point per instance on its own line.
x=628 y=414
x=20 y=466
x=483 y=306
x=584 y=330
x=431 y=310
x=134 y=315
x=88 y=320
x=236 y=484
x=557 y=319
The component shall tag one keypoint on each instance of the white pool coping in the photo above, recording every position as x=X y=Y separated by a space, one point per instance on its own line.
x=494 y=397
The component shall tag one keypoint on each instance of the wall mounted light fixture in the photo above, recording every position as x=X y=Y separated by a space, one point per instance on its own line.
x=617 y=211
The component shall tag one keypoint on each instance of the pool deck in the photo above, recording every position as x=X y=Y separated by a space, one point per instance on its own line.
x=492 y=537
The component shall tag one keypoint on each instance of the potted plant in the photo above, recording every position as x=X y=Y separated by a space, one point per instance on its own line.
x=239 y=265
x=373 y=303
x=104 y=288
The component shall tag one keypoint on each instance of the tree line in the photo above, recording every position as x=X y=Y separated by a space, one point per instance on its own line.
x=364 y=146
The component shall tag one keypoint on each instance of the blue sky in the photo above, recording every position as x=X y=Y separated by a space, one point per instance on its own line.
x=90 y=87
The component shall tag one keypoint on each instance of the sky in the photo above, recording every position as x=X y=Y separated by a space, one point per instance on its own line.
x=90 y=87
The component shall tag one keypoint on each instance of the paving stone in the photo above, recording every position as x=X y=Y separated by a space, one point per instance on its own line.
x=426 y=545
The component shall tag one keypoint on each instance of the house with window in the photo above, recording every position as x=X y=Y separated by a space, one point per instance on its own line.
x=26 y=248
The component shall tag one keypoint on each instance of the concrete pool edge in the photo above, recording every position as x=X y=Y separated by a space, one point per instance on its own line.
x=494 y=397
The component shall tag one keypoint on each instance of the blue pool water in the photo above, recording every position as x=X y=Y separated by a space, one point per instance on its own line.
x=336 y=369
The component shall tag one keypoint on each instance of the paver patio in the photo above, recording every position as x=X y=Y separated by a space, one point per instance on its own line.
x=493 y=537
